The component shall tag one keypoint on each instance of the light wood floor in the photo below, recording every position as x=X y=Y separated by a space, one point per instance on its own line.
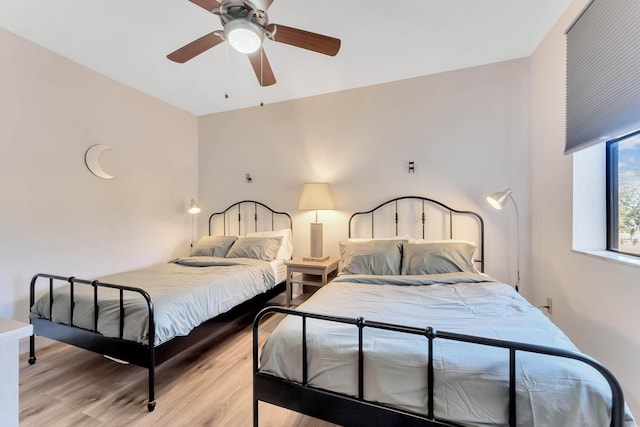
x=206 y=386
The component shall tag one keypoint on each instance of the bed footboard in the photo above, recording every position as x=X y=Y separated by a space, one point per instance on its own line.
x=90 y=339
x=354 y=411
x=145 y=355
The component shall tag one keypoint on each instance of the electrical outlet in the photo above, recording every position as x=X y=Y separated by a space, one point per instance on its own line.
x=550 y=305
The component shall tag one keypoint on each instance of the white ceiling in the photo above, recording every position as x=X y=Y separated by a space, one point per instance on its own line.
x=382 y=41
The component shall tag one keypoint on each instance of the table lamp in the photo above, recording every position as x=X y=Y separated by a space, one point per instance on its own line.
x=316 y=196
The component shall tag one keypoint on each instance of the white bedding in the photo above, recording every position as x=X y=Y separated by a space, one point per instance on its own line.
x=279 y=270
x=184 y=293
x=471 y=382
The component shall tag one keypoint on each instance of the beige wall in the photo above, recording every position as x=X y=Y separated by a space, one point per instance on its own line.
x=594 y=301
x=467 y=132
x=57 y=217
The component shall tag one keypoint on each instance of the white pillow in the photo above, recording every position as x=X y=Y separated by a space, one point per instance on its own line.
x=286 y=248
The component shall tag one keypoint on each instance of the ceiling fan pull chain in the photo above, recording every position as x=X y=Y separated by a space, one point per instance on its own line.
x=261 y=75
x=226 y=70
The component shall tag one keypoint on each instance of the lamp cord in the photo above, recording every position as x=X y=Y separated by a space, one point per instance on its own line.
x=226 y=71
x=261 y=76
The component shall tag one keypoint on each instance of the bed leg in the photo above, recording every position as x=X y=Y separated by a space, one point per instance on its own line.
x=255 y=413
x=32 y=349
x=152 y=398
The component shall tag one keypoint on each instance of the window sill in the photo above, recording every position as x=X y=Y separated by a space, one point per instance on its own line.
x=612 y=257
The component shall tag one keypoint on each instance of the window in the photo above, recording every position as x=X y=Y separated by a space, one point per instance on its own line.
x=603 y=101
x=623 y=194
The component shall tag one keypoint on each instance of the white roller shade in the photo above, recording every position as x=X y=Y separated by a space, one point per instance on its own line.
x=603 y=73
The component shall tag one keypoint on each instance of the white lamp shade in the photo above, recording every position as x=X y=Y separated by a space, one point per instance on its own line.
x=193 y=207
x=244 y=36
x=499 y=199
x=316 y=196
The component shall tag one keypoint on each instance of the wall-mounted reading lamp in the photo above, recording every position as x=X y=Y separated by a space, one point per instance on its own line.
x=497 y=201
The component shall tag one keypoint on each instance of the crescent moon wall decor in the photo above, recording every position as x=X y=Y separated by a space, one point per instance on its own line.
x=92 y=160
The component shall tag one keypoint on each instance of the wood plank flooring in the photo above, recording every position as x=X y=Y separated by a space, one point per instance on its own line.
x=205 y=386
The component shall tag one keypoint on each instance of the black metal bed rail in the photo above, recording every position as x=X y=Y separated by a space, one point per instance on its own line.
x=95 y=284
x=617 y=405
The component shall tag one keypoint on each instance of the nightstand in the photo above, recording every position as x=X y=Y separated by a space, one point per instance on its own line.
x=11 y=331
x=312 y=273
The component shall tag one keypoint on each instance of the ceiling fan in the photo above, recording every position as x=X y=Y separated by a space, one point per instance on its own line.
x=245 y=26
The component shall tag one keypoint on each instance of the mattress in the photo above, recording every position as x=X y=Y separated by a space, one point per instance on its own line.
x=185 y=293
x=471 y=381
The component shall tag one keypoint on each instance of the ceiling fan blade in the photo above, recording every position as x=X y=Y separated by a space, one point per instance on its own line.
x=305 y=39
x=262 y=68
x=206 y=4
x=196 y=47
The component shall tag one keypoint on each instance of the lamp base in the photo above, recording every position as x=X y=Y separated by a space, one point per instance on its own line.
x=316 y=240
x=316 y=259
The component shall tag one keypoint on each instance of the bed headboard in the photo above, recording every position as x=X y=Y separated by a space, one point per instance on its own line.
x=246 y=216
x=423 y=218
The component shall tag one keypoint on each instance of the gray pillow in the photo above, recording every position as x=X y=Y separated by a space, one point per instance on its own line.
x=264 y=248
x=379 y=257
x=213 y=246
x=436 y=258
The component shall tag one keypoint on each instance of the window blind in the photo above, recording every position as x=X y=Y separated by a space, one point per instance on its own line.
x=603 y=73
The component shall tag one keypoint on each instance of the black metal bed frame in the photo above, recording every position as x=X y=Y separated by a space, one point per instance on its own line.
x=451 y=212
x=353 y=411
x=146 y=355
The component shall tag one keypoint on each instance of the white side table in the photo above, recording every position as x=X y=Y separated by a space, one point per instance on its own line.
x=11 y=332
x=313 y=273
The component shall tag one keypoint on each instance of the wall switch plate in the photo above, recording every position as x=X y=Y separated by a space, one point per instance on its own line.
x=550 y=305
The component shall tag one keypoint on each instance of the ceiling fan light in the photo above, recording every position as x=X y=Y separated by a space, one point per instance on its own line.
x=244 y=36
